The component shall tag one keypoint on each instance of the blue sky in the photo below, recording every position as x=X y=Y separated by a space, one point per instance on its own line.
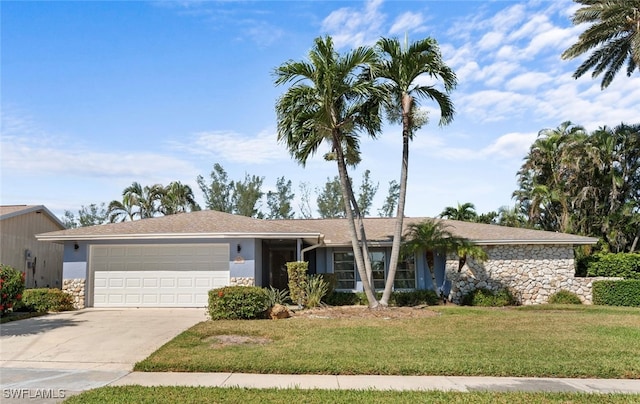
x=96 y=95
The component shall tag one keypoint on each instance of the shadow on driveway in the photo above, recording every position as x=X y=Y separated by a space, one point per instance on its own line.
x=37 y=325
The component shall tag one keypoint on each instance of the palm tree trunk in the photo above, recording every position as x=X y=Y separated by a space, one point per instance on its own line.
x=397 y=232
x=361 y=235
x=357 y=252
x=432 y=270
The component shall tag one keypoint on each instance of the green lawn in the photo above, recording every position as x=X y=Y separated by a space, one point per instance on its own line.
x=152 y=395
x=535 y=341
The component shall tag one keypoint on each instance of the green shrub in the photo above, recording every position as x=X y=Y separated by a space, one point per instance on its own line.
x=237 y=302
x=276 y=296
x=11 y=288
x=315 y=289
x=564 y=297
x=488 y=298
x=617 y=293
x=297 y=272
x=414 y=298
x=621 y=265
x=332 y=282
x=42 y=300
x=341 y=299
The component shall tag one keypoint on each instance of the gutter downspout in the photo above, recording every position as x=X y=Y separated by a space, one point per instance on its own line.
x=312 y=247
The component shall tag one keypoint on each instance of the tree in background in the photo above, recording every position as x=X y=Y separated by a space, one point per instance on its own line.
x=576 y=182
x=330 y=201
x=367 y=192
x=547 y=174
x=91 y=215
x=401 y=70
x=217 y=194
x=279 y=201
x=122 y=211
x=138 y=202
x=613 y=38
x=465 y=212
x=330 y=100
x=389 y=206
x=511 y=216
x=305 y=198
x=237 y=197
x=246 y=196
x=177 y=198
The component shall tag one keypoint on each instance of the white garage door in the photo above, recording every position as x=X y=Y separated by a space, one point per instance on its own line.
x=158 y=275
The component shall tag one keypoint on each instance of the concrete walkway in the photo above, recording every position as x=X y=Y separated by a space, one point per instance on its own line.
x=445 y=383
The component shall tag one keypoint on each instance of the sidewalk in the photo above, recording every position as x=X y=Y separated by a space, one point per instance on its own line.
x=446 y=383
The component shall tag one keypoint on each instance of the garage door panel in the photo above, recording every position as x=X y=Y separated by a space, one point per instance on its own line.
x=158 y=275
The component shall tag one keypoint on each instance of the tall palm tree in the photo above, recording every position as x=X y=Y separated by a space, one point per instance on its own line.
x=465 y=212
x=613 y=37
x=400 y=69
x=177 y=198
x=331 y=101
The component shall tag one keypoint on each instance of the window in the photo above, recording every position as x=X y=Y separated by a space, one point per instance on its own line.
x=406 y=274
x=345 y=270
x=377 y=269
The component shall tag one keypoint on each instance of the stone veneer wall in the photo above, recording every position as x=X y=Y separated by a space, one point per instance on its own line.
x=75 y=287
x=531 y=272
x=240 y=281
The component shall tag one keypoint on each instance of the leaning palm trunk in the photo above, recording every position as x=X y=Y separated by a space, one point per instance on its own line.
x=357 y=252
x=361 y=235
x=397 y=233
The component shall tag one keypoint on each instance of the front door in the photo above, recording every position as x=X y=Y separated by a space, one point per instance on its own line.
x=278 y=258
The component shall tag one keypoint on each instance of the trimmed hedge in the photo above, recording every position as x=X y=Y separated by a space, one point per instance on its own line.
x=488 y=298
x=237 y=303
x=617 y=293
x=404 y=298
x=621 y=265
x=564 y=297
x=42 y=300
x=415 y=298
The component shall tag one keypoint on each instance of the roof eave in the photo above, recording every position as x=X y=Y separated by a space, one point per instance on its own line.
x=173 y=236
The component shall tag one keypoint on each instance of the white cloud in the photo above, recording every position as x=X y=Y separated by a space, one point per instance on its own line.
x=406 y=22
x=28 y=156
x=235 y=147
x=528 y=81
x=352 y=27
x=510 y=146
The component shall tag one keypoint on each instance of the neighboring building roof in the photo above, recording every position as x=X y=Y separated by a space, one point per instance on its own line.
x=332 y=232
x=9 y=211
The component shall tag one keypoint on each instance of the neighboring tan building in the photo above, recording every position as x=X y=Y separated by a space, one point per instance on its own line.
x=40 y=261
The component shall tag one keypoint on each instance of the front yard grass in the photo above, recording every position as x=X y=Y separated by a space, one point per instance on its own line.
x=160 y=395
x=532 y=341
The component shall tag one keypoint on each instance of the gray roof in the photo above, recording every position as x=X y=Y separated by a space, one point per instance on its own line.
x=9 y=211
x=332 y=232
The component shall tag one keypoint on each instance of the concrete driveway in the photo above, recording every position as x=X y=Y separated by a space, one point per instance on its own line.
x=80 y=350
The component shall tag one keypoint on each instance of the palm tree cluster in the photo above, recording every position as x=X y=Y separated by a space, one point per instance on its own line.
x=613 y=36
x=140 y=202
x=584 y=183
x=333 y=98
